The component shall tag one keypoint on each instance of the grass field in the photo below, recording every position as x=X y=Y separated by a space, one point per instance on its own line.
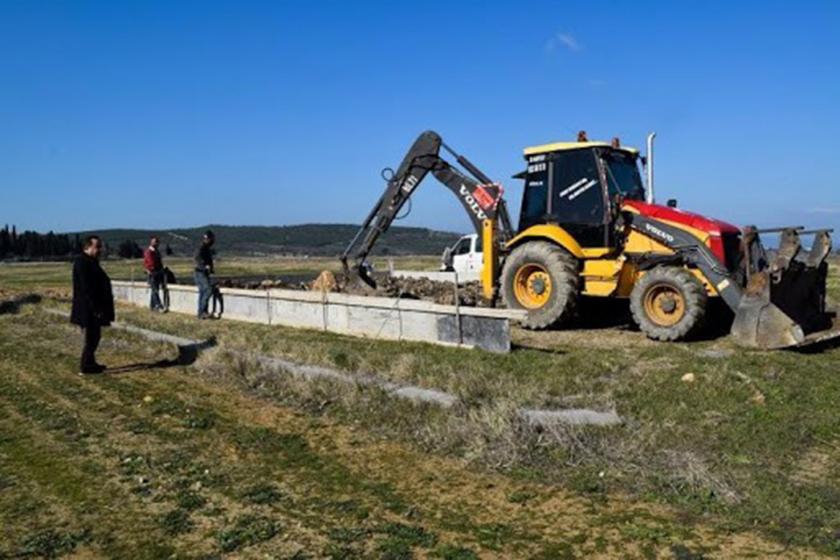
x=218 y=459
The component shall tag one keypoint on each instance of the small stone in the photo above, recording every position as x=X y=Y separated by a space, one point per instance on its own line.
x=688 y=378
x=716 y=353
x=148 y=399
x=758 y=398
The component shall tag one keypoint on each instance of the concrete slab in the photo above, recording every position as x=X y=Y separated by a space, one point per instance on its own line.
x=374 y=317
x=434 y=275
x=570 y=417
x=189 y=349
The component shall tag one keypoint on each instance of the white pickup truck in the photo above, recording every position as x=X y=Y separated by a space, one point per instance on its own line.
x=464 y=259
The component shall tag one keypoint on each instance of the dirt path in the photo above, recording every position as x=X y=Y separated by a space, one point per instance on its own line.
x=164 y=462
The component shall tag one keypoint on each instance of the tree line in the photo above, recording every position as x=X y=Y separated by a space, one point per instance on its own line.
x=34 y=245
x=50 y=245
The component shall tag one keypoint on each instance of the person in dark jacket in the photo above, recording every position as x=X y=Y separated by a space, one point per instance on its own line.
x=203 y=270
x=93 y=302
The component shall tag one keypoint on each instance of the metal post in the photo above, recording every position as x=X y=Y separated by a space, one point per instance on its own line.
x=458 y=310
x=650 y=194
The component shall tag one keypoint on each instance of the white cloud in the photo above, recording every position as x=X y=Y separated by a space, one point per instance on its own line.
x=565 y=40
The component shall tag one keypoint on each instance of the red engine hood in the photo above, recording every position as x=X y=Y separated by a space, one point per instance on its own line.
x=696 y=221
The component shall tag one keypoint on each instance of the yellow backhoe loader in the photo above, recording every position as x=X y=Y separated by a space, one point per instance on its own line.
x=589 y=226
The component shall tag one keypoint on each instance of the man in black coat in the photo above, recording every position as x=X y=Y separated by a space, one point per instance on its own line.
x=93 y=302
x=203 y=270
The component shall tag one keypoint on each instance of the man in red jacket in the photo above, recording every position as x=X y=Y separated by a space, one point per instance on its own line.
x=153 y=263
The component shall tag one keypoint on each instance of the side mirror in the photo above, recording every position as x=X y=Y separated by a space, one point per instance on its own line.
x=672 y=203
x=446 y=258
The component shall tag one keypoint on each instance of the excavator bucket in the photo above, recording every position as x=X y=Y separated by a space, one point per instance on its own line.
x=783 y=302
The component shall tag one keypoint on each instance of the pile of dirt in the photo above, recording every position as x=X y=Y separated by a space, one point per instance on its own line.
x=260 y=284
x=416 y=288
x=386 y=286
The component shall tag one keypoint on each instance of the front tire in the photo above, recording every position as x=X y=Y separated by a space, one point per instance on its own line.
x=668 y=303
x=542 y=279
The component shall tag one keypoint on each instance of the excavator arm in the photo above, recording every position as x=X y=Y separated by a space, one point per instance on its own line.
x=479 y=195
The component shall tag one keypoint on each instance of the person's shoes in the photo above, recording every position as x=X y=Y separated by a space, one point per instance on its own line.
x=204 y=316
x=92 y=370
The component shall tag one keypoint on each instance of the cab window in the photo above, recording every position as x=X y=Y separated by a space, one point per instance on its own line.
x=535 y=196
x=578 y=198
x=623 y=175
x=462 y=247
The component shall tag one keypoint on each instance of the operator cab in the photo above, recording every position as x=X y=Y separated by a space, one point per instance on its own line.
x=578 y=186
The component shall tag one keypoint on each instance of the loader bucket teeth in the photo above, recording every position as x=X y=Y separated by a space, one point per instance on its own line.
x=359 y=277
x=789 y=246
x=365 y=276
x=784 y=305
x=820 y=249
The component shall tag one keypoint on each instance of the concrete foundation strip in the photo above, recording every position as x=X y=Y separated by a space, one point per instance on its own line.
x=364 y=316
x=188 y=350
x=570 y=416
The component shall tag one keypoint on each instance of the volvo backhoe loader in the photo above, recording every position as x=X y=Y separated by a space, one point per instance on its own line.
x=589 y=227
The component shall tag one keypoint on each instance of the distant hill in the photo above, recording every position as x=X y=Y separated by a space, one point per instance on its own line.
x=306 y=239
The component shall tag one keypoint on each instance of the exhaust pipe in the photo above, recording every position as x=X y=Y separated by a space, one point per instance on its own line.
x=649 y=168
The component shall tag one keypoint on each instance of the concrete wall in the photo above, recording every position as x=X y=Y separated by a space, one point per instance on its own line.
x=435 y=275
x=377 y=317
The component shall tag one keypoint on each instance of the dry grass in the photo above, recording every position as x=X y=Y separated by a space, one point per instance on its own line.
x=707 y=447
x=211 y=460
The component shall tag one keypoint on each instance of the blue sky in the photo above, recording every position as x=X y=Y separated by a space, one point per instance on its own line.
x=166 y=114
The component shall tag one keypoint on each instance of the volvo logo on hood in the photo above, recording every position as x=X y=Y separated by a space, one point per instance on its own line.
x=652 y=229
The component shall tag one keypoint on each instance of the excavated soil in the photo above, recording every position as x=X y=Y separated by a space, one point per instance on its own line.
x=386 y=286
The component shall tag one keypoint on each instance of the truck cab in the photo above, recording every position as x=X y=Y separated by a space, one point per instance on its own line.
x=464 y=258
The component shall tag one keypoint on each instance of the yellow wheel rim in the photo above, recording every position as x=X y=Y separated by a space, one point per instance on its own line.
x=664 y=305
x=532 y=286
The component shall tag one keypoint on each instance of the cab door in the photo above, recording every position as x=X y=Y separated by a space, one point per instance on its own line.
x=474 y=261
x=461 y=258
x=576 y=199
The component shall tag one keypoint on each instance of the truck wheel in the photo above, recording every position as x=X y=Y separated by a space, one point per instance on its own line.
x=668 y=303
x=543 y=279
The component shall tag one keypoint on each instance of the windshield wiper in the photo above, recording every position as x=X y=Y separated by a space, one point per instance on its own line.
x=637 y=190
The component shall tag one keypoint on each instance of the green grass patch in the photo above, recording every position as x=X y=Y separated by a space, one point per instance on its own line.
x=246 y=531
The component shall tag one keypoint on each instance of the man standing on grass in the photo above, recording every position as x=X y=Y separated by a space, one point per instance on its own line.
x=93 y=302
x=153 y=263
x=203 y=270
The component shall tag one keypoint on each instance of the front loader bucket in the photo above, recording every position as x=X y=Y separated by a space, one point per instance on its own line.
x=760 y=324
x=784 y=304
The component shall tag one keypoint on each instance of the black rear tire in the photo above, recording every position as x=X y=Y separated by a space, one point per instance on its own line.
x=559 y=266
x=669 y=303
